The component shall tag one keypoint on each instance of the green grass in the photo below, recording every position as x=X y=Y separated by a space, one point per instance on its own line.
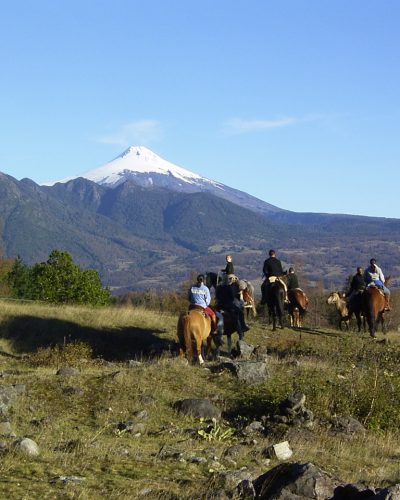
x=340 y=373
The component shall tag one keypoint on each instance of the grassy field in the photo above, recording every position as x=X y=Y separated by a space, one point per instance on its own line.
x=79 y=421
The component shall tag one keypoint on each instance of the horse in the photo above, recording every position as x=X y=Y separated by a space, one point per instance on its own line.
x=336 y=299
x=275 y=298
x=347 y=308
x=298 y=302
x=227 y=325
x=194 y=326
x=212 y=280
x=373 y=306
x=247 y=295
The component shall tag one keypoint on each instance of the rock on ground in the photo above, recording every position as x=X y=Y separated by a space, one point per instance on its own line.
x=199 y=408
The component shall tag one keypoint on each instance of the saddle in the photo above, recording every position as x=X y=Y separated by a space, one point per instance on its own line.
x=194 y=307
x=379 y=288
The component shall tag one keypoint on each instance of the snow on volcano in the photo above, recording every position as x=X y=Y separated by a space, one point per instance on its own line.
x=139 y=160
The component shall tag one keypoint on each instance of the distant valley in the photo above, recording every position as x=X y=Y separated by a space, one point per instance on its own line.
x=151 y=227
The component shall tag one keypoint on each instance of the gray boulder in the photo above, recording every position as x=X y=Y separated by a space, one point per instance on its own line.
x=230 y=479
x=245 y=351
x=67 y=371
x=295 y=481
x=5 y=429
x=199 y=408
x=26 y=446
x=347 y=425
x=252 y=372
x=8 y=394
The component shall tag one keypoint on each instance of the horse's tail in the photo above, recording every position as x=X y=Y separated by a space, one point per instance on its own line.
x=280 y=301
x=187 y=336
x=303 y=303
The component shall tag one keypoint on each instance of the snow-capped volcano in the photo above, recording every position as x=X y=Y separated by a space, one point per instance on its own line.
x=144 y=168
x=139 y=163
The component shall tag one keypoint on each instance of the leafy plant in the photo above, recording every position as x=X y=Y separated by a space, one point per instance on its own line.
x=215 y=432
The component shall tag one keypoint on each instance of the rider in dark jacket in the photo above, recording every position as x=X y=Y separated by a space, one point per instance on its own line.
x=226 y=295
x=292 y=281
x=357 y=282
x=272 y=268
x=229 y=266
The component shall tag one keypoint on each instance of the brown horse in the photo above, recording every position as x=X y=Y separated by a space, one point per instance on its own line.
x=373 y=306
x=194 y=327
x=298 y=303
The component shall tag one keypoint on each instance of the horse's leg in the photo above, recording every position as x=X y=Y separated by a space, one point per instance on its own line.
x=229 y=344
x=273 y=322
x=296 y=318
x=382 y=319
x=199 y=346
x=208 y=353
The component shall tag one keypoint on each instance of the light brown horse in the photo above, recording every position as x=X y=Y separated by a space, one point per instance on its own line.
x=373 y=306
x=298 y=303
x=248 y=299
x=337 y=299
x=194 y=327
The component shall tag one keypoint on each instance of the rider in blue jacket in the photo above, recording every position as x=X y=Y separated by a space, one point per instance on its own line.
x=199 y=296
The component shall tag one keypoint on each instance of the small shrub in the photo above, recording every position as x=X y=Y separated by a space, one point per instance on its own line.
x=68 y=354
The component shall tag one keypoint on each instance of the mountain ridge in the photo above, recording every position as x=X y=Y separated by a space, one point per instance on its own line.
x=153 y=235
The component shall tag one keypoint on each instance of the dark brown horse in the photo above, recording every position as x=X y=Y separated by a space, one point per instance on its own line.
x=194 y=327
x=274 y=296
x=298 y=303
x=373 y=306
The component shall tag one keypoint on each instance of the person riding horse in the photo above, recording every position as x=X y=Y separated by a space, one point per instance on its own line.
x=354 y=295
x=228 y=269
x=292 y=280
x=199 y=297
x=373 y=276
x=227 y=295
x=272 y=270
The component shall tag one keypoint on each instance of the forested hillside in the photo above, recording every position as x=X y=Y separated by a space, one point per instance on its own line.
x=142 y=237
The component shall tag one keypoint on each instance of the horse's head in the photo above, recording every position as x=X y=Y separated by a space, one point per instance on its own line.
x=387 y=279
x=211 y=280
x=334 y=298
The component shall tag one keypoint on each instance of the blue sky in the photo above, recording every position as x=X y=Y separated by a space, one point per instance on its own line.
x=295 y=102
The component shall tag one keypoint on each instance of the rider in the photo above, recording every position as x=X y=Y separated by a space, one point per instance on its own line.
x=226 y=295
x=373 y=275
x=357 y=286
x=292 y=281
x=357 y=283
x=228 y=269
x=272 y=270
x=199 y=296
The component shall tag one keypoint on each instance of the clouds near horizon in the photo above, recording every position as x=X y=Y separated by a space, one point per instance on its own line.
x=137 y=132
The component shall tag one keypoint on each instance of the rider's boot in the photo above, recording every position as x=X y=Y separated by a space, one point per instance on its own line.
x=387 y=305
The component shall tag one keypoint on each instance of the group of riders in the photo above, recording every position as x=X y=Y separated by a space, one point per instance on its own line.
x=229 y=292
x=363 y=279
x=228 y=296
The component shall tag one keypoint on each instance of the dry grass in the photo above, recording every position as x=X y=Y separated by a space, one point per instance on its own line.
x=340 y=373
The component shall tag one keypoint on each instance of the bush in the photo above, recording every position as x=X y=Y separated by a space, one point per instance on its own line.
x=59 y=281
